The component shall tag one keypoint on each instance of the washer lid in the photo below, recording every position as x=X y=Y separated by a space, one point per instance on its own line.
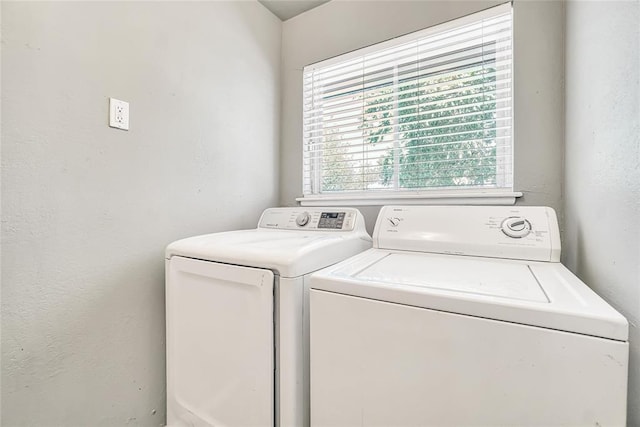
x=543 y=294
x=480 y=277
x=290 y=253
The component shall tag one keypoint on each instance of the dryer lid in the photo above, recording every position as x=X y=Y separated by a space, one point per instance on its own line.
x=289 y=253
x=289 y=241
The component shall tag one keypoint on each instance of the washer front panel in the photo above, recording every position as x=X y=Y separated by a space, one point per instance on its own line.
x=375 y=363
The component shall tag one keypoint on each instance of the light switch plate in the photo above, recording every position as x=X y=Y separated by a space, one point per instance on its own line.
x=118 y=114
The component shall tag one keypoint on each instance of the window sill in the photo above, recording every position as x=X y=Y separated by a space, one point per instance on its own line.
x=458 y=198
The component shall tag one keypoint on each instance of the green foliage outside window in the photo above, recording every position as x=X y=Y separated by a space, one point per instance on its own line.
x=444 y=129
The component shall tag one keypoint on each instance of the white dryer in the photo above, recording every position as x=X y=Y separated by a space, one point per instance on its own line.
x=237 y=316
x=464 y=316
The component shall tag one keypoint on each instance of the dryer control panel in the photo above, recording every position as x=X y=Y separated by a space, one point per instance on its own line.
x=515 y=232
x=320 y=219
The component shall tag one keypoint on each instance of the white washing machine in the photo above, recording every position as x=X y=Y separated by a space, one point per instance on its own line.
x=237 y=316
x=464 y=316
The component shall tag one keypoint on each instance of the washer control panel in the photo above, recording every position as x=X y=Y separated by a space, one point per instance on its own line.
x=516 y=232
x=321 y=219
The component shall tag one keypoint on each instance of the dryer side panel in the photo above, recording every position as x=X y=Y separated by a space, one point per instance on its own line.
x=220 y=349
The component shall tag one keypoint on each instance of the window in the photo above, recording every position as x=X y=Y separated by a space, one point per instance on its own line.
x=423 y=114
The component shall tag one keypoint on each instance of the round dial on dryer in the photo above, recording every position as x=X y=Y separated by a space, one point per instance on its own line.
x=516 y=227
x=303 y=219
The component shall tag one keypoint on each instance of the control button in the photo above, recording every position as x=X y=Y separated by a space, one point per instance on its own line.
x=394 y=221
x=516 y=227
x=303 y=219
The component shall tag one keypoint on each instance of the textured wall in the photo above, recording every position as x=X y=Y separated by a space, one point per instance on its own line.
x=602 y=177
x=87 y=210
x=341 y=26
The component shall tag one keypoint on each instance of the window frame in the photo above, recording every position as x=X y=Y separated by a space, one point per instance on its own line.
x=465 y=195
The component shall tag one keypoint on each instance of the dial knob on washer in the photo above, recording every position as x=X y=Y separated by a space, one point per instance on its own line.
x=394 y=221
x=516 y=227
x=303 y=219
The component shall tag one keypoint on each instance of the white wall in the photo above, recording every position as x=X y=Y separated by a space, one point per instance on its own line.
x=87 y=210
x=602 y=177
x=341 y=26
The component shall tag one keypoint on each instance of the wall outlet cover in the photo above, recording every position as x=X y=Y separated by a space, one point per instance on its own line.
x=118 y=114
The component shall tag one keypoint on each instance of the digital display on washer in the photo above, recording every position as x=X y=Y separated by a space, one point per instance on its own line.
x=331 y=220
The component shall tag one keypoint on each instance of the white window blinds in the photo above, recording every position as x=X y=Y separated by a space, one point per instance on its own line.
x=428 y=111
